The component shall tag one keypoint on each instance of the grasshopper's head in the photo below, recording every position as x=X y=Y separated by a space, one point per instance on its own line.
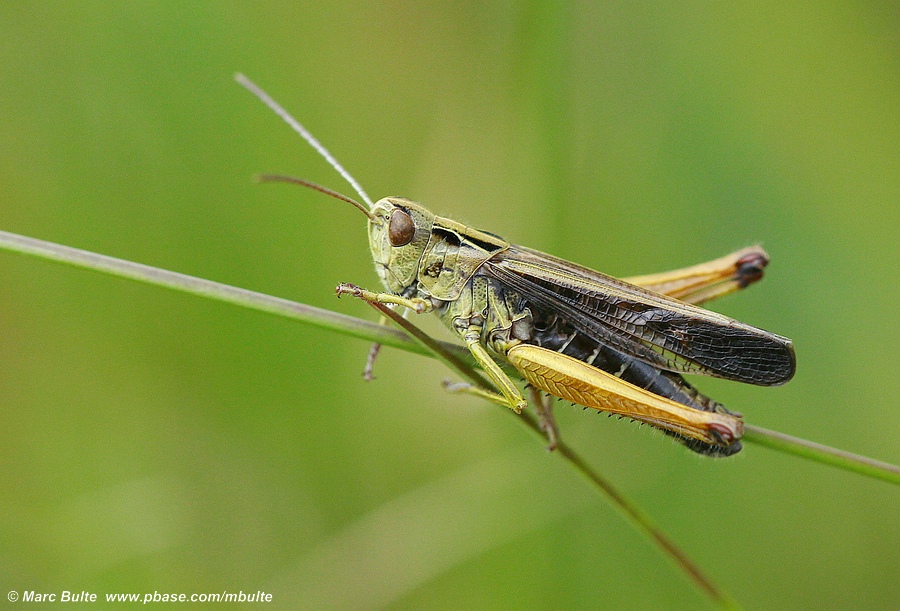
x=399 y=230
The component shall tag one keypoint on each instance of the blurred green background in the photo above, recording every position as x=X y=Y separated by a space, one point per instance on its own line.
x=157 y=441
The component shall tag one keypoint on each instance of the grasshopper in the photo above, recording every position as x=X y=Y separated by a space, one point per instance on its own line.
x=617 y=346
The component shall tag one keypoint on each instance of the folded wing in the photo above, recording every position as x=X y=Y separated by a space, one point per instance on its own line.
x=653 y=328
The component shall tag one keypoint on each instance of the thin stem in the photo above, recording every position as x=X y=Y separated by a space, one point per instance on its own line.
x=823 y=454
x=639 y=520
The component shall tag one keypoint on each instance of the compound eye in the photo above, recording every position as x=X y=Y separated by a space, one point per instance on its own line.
x=401 y=229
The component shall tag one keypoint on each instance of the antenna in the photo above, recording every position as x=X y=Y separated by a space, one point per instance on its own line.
x=305 y=183
x=304 y=133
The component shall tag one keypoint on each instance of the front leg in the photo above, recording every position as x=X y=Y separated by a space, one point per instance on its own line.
x=416 y=304
x=509 y=395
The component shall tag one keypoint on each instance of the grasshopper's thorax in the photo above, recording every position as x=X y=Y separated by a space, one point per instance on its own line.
x=452 y=257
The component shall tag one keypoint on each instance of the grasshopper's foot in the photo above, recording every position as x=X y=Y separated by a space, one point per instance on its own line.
x=465 y=387
x=345 y=288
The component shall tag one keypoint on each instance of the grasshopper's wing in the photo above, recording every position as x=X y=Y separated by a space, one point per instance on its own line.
x=658 y=330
